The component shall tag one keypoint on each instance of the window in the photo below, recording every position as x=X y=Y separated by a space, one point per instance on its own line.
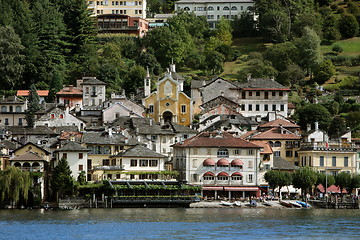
x=281 y=94
x=183 y=108
x=250 y=107
x=153 y=163
x=273 y=94
x=277 y=153
x=18 y=109
x=266 y=95
x=274 y=107
x=334 y=161
x=237 y=152
x=267 y=166
x=186 y=9
x=258 y=94
x=143 y=163
x=64 y=155
x=236 y=178
x=321 y=161
x=226 y=8
x=81 y=167
x=250 y=94
x=61 y=116
x=125 y=11
x=136 y=3
x=250 y=178
x=266 y=107
x=194 y=177
x=208 y=178
x=257 y=107
x=222 y=153
x=209 y=151
x=233 y=8
x=118 y=176
x=194 y=163
x=251 y=164
x=140 y=3
x=151 y=108
x=282 y=108
x=106 y=162
x=346 y=161
x=195 y=151
x=250 y=152
x=3 y=109
x=242 y=107
x=133 y=162
x=20 y=123
x=223 y=178
x=81 y=155
x=136 y=11
x=52 y=116
x=210 y=8
x=277 y=144
x=289 y=153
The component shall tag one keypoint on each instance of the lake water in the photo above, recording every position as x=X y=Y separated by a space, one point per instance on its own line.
x=170 y=223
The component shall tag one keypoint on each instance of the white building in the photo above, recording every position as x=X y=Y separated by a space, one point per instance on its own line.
x=93 y=91
x=132 y=8
x=214 y=10
x=77 y=157
x=223 y=165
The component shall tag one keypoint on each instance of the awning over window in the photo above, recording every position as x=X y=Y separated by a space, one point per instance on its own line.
x=209 y=174
x=222 y=161
x=209 y=162
x=236 y=162
x=222 y=174
x=241 y=189
x=236 y=174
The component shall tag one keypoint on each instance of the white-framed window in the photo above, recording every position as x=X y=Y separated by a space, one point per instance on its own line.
x=210 y=8
x=237 y=152
x=236 y=178
x=153 y=163
x=226 y=8
x=143 y=163
x=194 y=163
x=250 y=152
x=208 y=178
x=277 y=153
x=223 y=178
x=151 y=108
x=222 y=152
x=251 y=165
x=183 y=108
x=133 y=162
x=250 y=178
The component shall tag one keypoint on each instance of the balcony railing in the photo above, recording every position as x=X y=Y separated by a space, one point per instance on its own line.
x=108 y=168
x=31 y=169
x=345 y=147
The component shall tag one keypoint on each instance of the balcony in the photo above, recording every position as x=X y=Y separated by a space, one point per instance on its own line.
x=113 y=168
x=321 y=146
x=31 y=169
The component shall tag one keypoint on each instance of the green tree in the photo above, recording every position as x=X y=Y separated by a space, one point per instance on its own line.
x=33 y=106
x=325 y=179
x=324 y=71
x=135 y=78
x=332 y=106
x=11 y=57
x=330 y=27
x=54 y=86
x=245 y=25
x=348 y=25
x=223 y=31
x=82 y=178
x=277 y=178
x=196 y=26
x=311 y=113
x=14 y=185
x=354 y=183
x=257 y=67
x=308 y=50
x=353 y=120
x=337 y=126
x=343 y=181
x=214 y=62
x=291 y=75
x=61 y=180
x=281 y=55
x=304 y=178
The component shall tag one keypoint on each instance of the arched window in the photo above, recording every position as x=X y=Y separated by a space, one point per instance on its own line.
x=226 y=8
x=11 y=109
x=210 y=8
x=223 y=176
x=17 y=164
x=277 y=144
x=233 y=8
x=271 y=143
x=3 y=109
x=222 y=152
x=186 y=9
x=208 y=176
x=18 y=109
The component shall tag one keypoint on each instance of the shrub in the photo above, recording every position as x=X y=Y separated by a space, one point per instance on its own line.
x=337 y=48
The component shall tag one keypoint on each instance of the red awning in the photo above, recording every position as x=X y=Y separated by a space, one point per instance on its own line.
x=236 y=174
x=332 y=189
x=209 y=174
x=222 y=161
x=223 y=174
x=209 y=162
x=213 y=188
x=236 y=162
x=244 y=189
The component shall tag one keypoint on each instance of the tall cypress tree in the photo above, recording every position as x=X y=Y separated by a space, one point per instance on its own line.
x=33 y=106
x=61 y=180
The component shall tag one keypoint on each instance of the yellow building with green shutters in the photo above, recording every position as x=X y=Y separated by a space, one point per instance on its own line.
x=168 y=102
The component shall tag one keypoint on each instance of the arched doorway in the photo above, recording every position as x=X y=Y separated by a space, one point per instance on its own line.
x=167 y=116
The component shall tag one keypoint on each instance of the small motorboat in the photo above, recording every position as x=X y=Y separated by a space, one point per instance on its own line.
x=267 y=203
x=237 y=203
x=286 y=204
x=253 y=203
x=295 y=204
x=304 y=204
x=224 y=203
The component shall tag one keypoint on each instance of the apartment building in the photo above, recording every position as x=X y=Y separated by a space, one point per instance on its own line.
x=130 y=7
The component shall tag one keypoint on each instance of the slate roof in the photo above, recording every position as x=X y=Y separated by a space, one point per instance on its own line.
x=38 y=130
x=12 y=99
x=281 y=164
x=261 y=84
x=60 y=129
x=72 y=147
x=30 y=156
x=92 y=81
x=279 y=122
x=104 y=139
x=8 y=145
x=140 y=151
x=214 y=139
x=32 y=143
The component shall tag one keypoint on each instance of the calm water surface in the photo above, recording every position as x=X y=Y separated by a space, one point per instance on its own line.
x=163 y=223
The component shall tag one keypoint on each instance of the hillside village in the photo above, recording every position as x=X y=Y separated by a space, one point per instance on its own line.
x=227 y=100
x=244 y=130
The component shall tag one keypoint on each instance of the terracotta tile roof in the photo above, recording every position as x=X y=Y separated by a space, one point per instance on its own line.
x=31 y=156
x=291 y=106
x=279 y=122
x=247 y=134
x=275 y=133
x=68 y=135
x=265 y=145
x=25 y=93
x=70 y=91
x=214 y=139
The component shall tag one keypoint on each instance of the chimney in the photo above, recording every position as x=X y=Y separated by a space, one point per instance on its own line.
x=172 y=67
x=79 y=82
x=316 y=126
x=203 y=83
x=272 y=78
x=126 y=140
x=308 y=127
x=248 y=77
